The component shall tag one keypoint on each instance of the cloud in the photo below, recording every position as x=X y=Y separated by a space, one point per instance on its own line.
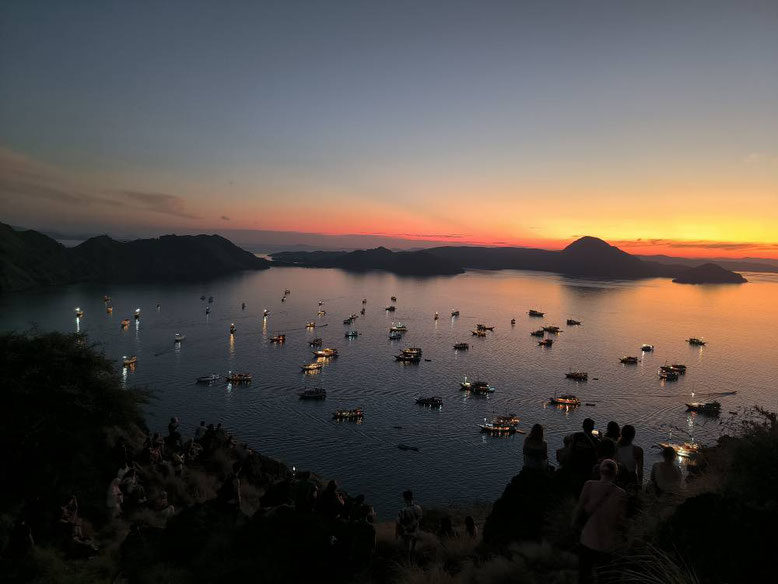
x=225 y=218
x=25 y=179
x=698 y=244
x=155 y=202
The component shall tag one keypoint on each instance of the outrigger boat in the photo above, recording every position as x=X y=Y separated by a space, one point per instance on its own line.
x=712 y=408
x=538 y=333
x=355 y=414
x=536 y=313
x=315 y=342
x=629 y=360
x=352 y=334
x=568 y=400
x=646 y=348
x=461 y=346
x=315 y=393
x=454 y=313
x=697 y=342
x=278 y=339
x=129 y=361
x=238 y=377
x=433 y=402
x=179 y=337
x=213 y=377
x=552 y=329
x=546 y=342
x=573 y=322
x=577 y=375
x=327 y=352
x=311 y=367
x=398 y=328
x=476 y=386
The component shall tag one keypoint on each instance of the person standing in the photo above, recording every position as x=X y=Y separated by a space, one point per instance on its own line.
x=535 y=449
x=631 y=458
x=600 y=514
x=666 y=476
x=407 y=527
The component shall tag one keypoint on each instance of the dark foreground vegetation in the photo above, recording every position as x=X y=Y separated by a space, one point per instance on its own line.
x=90 y=495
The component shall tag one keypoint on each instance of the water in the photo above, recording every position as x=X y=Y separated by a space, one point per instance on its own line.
x=455 y=463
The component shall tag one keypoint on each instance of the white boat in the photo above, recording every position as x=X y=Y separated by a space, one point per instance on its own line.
x=179 y=337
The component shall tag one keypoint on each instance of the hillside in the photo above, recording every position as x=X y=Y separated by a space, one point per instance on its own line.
x=29 y=259
x=407 y=263
x=709 y=274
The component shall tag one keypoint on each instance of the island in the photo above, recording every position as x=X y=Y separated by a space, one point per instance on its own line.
x=709 y=274
x=31 y=259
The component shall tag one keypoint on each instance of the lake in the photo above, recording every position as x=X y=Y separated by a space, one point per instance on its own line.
x=455 y=462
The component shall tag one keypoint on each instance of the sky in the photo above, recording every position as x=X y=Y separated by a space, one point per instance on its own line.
x=653 y=125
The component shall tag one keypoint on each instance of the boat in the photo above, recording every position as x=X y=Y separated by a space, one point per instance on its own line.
x=178 y=338
x=238 y=377
x=310 y=367
x=565 y=400
x=391 y=308
x=321 y=313
x=278 y=339
x=408 y=447
x=461 y=346
x=265 y=312
x=483 y=327
x=349 y=320
x=536 y=313
x=395 y=336
x=697 y=342
x=109 y=309
x=398 y=328
x=546 y=342
x=712 y=408
x=207 y=310
x=352 y=334
x=476 y=386
x=202 y=297
x=315 y=393
x=436 y=317
x=685 y=449
x=393 y=299
x=326 y=352
x=315 y=342
x=283 y=298
x=210 y=299
x=577 y=375
x=552 y=329
x=362 y=312
x=355 y=414
x=433 y=402
x=573 y=322
x=137 y=314
x=310 y=324
x=79 y=313
x=106 y=298
x=410 y=354
x=321 y=302
x=454 y=313
x=538 y=333
x=364 y=301
x=213 y=377
x=243 y=306
x=232 y=328
x=129 y=361
x=629 y=360
x=513 y=321
x=667 y=374
x=506 y=420
x=125 y=323
x=679 y=368
x=496 y=428
x=478 y=333
x=646 y=348
x=287 y=291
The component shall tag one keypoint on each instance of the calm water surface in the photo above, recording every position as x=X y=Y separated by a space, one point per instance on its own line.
x=455 y=463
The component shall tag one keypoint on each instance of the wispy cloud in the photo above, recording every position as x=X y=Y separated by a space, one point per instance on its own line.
x=155 y=202
x=696 y=244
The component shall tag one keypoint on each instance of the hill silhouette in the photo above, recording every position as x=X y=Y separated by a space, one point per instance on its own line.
x=409 y=263
x=29 y=259
x=709 y=274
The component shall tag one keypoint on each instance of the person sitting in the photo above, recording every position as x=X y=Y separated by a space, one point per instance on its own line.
x=407 y=524
x=535 y=449
x=665 y=475
x=331 y=503
x=600 y=514
x=631 y=457
x=162 y=506
x=613 y=432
